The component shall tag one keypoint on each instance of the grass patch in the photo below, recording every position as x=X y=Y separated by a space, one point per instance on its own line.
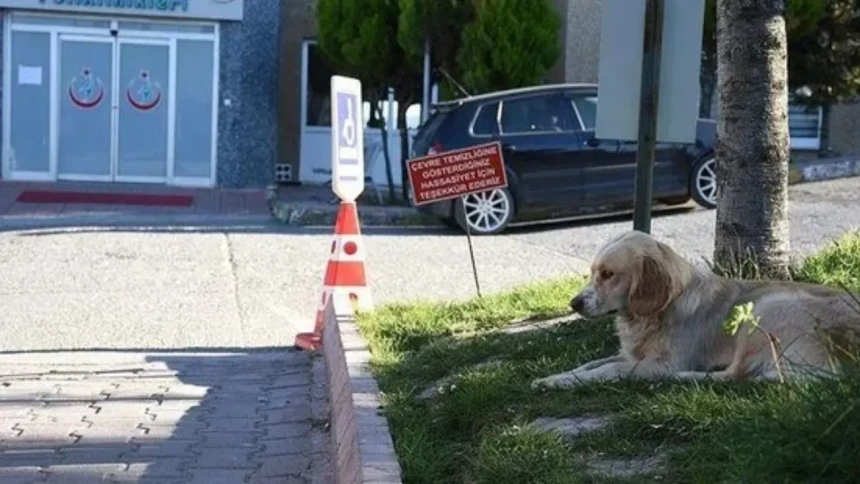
x=476 y=429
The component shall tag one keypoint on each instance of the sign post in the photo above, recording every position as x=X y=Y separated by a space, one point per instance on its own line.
x=649 y=48
x=347 y=138
x=456 y=174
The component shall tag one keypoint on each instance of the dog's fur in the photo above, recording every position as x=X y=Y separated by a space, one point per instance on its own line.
x=670 y=318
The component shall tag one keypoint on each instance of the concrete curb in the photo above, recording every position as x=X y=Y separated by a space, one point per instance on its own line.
x=319 y=214
x=362 y=449
x=826 y=169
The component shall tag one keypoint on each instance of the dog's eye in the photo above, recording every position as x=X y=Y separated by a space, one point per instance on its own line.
x=604 y=274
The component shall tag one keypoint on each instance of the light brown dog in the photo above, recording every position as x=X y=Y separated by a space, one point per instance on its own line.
x=670 y=319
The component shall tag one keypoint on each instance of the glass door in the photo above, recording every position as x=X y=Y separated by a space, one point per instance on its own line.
x=85 y=108
x=144 y=114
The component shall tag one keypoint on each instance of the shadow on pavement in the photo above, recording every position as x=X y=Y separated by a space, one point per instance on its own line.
x=183 y=417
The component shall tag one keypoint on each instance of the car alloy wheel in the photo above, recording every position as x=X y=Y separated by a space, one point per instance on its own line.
x=486 y=212
x=705 y=183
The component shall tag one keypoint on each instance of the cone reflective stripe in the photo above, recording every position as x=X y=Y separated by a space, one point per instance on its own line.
x=344 y=274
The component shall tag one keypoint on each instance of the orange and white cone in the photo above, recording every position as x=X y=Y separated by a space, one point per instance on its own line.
x=345 y=273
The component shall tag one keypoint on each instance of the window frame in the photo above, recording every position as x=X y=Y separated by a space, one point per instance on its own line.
x=498 y=118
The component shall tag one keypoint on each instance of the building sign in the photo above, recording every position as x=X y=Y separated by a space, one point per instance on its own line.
x=190 y=9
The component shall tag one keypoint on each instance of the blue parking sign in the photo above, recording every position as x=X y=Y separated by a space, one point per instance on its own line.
x=347 y=138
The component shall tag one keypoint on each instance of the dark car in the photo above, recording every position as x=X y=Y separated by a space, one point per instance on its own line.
x=557 y=169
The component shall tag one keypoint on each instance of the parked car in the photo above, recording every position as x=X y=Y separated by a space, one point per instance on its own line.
x=557 y=169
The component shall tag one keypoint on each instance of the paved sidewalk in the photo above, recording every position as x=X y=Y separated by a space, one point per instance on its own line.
x=179 y=417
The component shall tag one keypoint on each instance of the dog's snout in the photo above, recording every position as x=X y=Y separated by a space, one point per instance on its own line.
x=577 y=303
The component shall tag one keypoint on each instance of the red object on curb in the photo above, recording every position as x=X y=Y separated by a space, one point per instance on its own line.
x=344 y=273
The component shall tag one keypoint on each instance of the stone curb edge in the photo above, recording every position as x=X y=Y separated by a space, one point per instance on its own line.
x=307 y=214
x=362 y=449
x=821 y=170
x=304 y=214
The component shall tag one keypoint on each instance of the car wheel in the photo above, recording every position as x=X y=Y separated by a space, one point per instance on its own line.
x=703 y=182
x=486 y=213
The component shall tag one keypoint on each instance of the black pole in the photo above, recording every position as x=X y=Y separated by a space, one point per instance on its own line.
x=648 y=101
x=471 y=250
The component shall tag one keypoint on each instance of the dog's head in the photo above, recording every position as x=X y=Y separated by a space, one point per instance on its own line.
x=633 y=275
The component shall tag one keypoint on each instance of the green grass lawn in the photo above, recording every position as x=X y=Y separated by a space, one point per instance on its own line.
x=476 y=426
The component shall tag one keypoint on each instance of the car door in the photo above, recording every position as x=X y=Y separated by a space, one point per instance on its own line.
x=538 y=135
x=599 y=159
x=671 y=168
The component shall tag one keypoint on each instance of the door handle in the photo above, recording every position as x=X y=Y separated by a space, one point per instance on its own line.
x=591 y=142
x=509 y=147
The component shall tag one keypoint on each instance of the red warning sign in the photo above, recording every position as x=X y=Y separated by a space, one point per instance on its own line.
x=452 y=174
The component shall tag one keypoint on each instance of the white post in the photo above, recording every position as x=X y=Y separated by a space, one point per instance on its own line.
x=425 y=92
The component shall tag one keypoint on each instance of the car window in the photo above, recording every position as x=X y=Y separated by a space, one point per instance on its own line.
x=586 y=106
x=538 y=114
x=486 y=122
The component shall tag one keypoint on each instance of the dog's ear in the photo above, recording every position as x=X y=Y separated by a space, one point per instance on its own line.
x=651 y=289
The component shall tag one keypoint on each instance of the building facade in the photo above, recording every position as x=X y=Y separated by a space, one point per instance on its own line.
x=176 y=92
x=228 y=93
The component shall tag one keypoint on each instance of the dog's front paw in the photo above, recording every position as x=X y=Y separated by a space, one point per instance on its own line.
x=555 y=382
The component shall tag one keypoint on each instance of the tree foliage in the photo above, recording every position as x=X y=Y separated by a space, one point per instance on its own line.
x=823 y=49
x=360 y=40
x=510 y=43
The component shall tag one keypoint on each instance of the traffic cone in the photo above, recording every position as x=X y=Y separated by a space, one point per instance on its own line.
x=345 y=273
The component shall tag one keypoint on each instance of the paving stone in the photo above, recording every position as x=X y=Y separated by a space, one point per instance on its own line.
x=290 y=380
x=277 y=480
x=176 y=404
x=29 y=458
x=62 y=414
x=294 y=445
x=289 y=393
x=83 y=454
x=284 y=465
x=287 y=430
x=230 y=439
x=218 y=476
x=168 y=448
x=42 y=434
x=185 y=391
x=81 y=474
x=224 y=458
x=21 y=474
x=178 y=430
x=172 y=467
x=123 y=410
x=10 y=411
x=234 y=410
x=232 y=424
x=295 y=413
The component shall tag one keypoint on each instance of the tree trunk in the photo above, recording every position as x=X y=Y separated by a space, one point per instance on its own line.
x=752 y=150
x=404 y=148
x=824 y=146
x=383 y=128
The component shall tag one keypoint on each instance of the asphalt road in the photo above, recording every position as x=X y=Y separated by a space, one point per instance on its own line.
x=219 y=283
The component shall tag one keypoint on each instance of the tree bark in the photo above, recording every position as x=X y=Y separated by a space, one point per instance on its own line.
x=383 y=129
x=752 y=152
x=404 y=146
